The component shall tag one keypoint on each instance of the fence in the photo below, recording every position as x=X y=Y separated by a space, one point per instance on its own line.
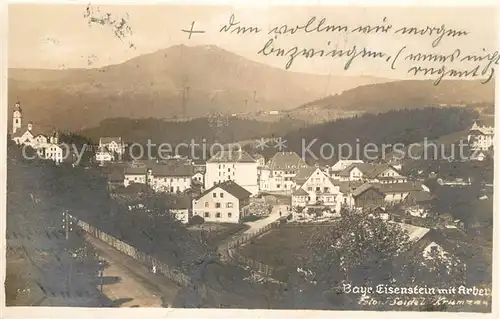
x=245 y=238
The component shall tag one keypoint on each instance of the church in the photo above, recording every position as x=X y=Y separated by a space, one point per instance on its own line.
x=47 y=147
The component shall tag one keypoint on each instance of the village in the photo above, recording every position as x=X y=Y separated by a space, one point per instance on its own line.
x=234 y=187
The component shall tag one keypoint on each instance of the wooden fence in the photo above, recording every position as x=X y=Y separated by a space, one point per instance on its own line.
x=169 y=272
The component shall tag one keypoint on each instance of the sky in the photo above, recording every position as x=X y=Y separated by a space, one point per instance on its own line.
x=55 y=36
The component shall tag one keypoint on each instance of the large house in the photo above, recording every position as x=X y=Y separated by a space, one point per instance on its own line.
x=278 y=174
x=316 y=189
x=232 y=165
x=110 y=149
x=172 y=176
x=180 y=207
x=134 y=175
x=223 y=202
x=371 y=172
x=481 y=136
x=340 y=166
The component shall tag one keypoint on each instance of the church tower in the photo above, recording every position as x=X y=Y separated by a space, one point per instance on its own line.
x=17 y=117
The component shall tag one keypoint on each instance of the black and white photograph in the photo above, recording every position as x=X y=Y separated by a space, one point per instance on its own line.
x=249 y=156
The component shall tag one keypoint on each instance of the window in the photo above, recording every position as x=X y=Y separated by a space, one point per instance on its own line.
x=278 y=186
x=207 y=214
x=310 y=189
x=221 y=195
x=229 y=205
x=217 y=215
x=217 y=205
x=214 y=195
x=206 y=204
x=229 y=215
x=318 y=189
x=326 y=189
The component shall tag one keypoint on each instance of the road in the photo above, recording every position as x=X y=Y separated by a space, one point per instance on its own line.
x=273 y=216
x=136 y=286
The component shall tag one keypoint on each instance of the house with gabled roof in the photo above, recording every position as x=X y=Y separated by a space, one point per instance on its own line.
x=279 y=172
x=134 y=175
x=223 y=203
x=316 y=189
x=232 y=165
x=110 y=149
x=171 y=176
x=481 y=135
x=340 y=166
x=371 y=172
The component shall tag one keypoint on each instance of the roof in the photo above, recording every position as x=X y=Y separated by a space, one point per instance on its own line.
x=304 y=173
x=231 y=156
x=231 y=187
x=368 y=169
x=399 y=187
x=103 y=149
x=173 y=168
x=343 y=164
x=116 y=176
x=415 y=232
x=107 y=140
x=300 y=192
x=20 y=131
x=135 y=171
x=363 y=188
x=421 y=196
x=178 y=201
x=285 y=160
x=346 y=187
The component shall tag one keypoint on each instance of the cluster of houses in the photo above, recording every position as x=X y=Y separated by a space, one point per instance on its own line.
x=46 y=145
x=222 y=187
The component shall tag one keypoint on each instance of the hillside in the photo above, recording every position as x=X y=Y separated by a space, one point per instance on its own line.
x=381 y=97
x=179 y=81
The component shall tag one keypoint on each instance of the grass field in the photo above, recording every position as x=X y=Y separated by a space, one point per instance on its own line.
x=282 y=247
x=218 y=232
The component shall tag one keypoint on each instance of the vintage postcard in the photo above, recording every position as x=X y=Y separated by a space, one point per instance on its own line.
x=286 y=157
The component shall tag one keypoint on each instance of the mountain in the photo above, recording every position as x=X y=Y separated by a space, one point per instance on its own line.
x=180 y=81
x=407 y=94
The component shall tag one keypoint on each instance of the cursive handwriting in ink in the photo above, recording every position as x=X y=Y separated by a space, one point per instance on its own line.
x=433 y=57
x=368 y=29
x=234 y=27
x=441 y=32
x=308 y=53
x=311 y=26
x=443 y=71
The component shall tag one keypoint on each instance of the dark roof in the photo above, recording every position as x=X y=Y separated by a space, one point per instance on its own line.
x=303 y=174
x=399 y=187
x=285 y=160
x=116 y=176
x=173 y=168
x=178 y=201
x=135 y=171
x=300 y=192
x=346 y=187
x=20 y=131
x=231 y=156
x=363 y=188
x=231 y=187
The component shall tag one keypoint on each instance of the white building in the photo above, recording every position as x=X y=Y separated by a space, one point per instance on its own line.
x=224 y=203
x=340 y=166
x=481 y=136
x=232 y=165
x=279 y=173
x=110 y=149
x=173 y=176
x=180 y=207
x=373 y=173
x=134 y=175
x=318 y=190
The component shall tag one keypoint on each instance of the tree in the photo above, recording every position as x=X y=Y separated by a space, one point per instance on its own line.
x=360 y=246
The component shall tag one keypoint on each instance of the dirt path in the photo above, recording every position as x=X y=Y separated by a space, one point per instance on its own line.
x=132 y=284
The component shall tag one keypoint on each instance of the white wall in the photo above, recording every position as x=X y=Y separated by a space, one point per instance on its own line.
x=200 y=207
x=244 y=174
